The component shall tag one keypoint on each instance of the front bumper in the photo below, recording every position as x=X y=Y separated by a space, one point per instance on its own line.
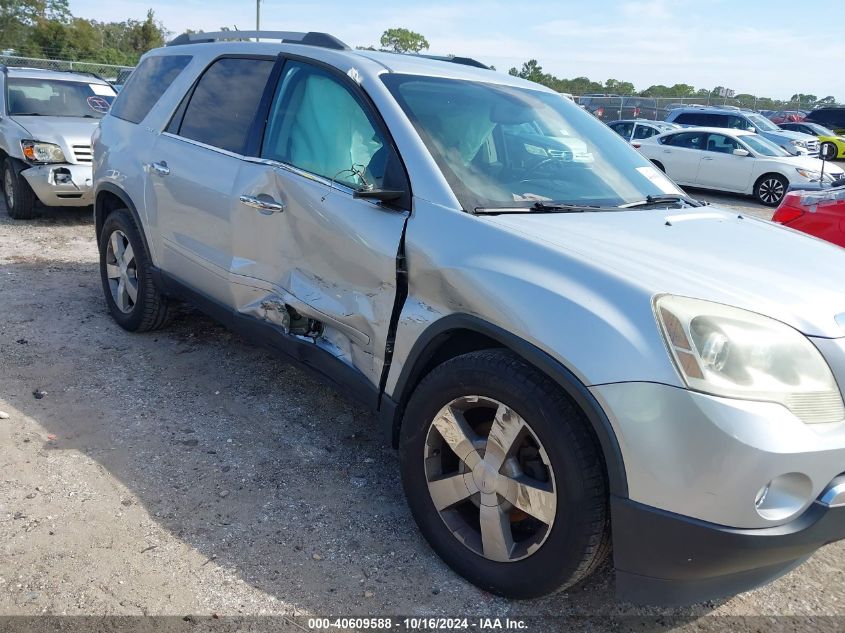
x=666 y=559
x=61 y=185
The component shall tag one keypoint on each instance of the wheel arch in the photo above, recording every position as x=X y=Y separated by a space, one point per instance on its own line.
x=109 y=198
x=458 y=334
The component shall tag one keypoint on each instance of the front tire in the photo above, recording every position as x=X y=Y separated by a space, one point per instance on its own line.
x=825 y=146
x=20 y=199
x=770 y=189
x=504 y=477
x=133 y=298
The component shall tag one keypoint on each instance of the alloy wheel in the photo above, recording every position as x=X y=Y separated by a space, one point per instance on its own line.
x=9 y=188
x=490 y=478
x=771 y=190
x=122 y=271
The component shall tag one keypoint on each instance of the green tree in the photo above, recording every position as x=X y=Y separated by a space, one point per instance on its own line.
x=402 y=40
x=531 y=70
x=616 y=87
x=17 y=17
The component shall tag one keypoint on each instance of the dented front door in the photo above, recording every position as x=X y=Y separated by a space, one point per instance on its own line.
x=300 y=237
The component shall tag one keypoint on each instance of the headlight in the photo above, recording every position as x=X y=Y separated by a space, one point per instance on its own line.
x=809 y=174
x=734 y=353
x=37 y=152
x=534 y=149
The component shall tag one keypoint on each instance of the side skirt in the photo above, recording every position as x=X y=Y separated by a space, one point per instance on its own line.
x=346 y=379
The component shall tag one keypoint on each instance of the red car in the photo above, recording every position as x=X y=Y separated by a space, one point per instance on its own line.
x=787 y=116
x=819 y=213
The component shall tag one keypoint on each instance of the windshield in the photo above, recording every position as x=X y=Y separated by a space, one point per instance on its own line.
x=763 y=146
x=502 y=146
x=762 y=123
x=50 y=97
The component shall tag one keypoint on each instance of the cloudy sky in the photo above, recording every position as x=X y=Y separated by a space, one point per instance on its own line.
x=767 y=47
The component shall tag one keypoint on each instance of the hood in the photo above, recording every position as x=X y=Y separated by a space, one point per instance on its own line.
x=705 y=253
x=795 y=136
x=62 y=130
x=809 y=162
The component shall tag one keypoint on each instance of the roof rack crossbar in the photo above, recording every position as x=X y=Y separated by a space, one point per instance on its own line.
x=312 y=38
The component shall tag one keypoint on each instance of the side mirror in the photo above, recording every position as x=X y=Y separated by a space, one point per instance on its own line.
x=382 y=195
x=741 y=152
x=750 y=129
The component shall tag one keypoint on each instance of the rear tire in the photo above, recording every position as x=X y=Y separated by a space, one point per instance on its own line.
x=133 y=298
x=659 y=165
x=770 y=189
x=540 y=542
x=20 y=199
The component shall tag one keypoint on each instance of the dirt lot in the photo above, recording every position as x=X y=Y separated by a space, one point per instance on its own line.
x=189 y=472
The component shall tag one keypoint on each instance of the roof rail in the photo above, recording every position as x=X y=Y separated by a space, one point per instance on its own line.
x=465 y=61
x=312 y=38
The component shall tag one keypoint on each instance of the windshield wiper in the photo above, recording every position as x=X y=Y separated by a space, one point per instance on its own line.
x=667 y=199
x=544 y=207
x=26 y=114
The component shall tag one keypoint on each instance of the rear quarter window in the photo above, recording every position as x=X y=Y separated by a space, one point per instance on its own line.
x=146 y=85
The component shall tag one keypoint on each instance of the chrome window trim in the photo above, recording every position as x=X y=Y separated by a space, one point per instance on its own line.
x=333 y=184
x=191 y=141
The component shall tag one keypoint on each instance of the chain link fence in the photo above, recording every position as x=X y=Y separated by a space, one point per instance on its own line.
x=110 y=72
x=611 y=108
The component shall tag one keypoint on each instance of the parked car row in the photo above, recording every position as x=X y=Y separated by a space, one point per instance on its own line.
x=748 y=155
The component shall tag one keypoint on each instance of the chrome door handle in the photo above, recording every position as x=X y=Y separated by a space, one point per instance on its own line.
x=160 y=169
x=706 y=158
x=265 y=204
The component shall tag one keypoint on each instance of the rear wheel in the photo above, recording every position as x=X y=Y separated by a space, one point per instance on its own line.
x=132 y=296
x=659 y=165
x=20 y=199
x=503 y=476
x=770 y=189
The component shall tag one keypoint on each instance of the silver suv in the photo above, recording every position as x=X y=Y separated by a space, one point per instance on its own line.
x=46 y=121
x=567 y=351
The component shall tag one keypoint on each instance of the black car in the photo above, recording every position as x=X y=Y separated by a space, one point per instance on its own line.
x=833 y=118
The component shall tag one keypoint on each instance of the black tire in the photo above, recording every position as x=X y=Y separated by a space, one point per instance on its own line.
x=19 y=197
x=579 y=539
x=770 y=189
x=827 y=144
x=151 y=310
x=659 y=165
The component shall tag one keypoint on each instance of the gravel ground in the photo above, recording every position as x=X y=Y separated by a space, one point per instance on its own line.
x=187 y=471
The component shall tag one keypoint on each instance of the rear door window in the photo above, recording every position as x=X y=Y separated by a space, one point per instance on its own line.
x=225 y=101
x=146 y=85
x=696 y=118
x=644 y=131
x=687 y=140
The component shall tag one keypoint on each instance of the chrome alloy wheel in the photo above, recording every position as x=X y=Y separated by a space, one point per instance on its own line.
x=9 y=188
x=771 y=190
x=122 y=271
x=490 y=478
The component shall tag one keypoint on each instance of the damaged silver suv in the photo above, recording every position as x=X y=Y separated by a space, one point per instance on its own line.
x=568 y=351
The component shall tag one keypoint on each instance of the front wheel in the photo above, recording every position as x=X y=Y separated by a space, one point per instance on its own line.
x=20 y=199
x=503 y=476
x=770 y=189
x=826 y=147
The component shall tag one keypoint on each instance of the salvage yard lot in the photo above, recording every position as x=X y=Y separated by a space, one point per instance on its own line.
x=186 y=471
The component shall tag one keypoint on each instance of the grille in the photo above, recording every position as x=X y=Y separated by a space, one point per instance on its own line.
x=813 y=146
x=82 y=153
